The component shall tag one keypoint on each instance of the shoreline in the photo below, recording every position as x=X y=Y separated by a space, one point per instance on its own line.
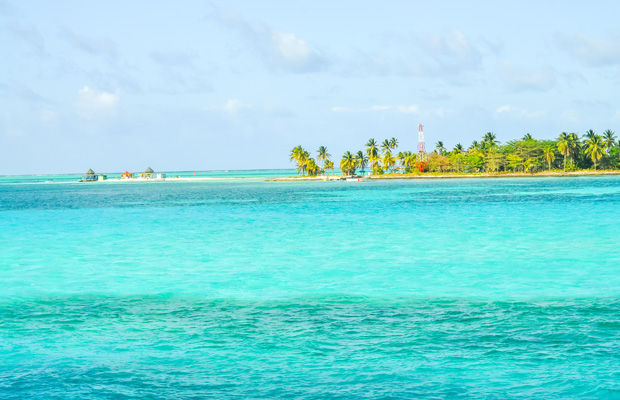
x=545 y=174
x=363 y=178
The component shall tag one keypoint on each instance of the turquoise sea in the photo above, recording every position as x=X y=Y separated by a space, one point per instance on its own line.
x=241 y=288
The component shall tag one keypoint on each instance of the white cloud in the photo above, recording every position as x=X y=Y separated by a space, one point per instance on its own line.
x=591 y=51
x=291 y=48
x=399 y=109
x=522 y=79
x=344 y=109
x=91 y=103
x=232 y=106
x=376 y=108
x=380 y=108
x=282 y=51
x=446 y=55
x=518 y=113
x=412 y=109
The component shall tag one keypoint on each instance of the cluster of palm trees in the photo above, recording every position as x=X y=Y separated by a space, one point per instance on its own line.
x=380 y=158
x=529 y=154
x=308 y=165
x=593 y=146
x=567 y=152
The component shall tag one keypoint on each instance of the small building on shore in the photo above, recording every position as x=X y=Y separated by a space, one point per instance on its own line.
x=91 y=176
x=147 y=174
x=127 y=175
x=150 y=174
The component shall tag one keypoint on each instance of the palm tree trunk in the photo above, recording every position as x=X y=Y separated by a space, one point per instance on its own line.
x=564 y=162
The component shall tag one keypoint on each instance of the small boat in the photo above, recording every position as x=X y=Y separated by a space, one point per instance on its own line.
x=358 y=178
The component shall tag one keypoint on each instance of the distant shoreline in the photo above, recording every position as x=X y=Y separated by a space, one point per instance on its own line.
x=450 y=175
x=392 y=176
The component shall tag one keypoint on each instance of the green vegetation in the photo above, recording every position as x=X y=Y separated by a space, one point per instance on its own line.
x=528 y=155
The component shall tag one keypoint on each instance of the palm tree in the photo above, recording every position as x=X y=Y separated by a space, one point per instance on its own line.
x=362 y=160
x=393 y=144
x=527 y=137
x=372 y=150
x=564 y=146
x=409 y=160
x=323 y=156
x=439 y=147
x=458 y=148
x=300 y=156
x=595 y=149
x=549 y=155
x=312 y=168
x=575 y=145
x=474 y=145
x=348 y=163
x=490 y=140
x=388 y=160
x=294 y=156
x=610 y=139
x=329 y=165
x=402 y=158
x=386 y=146
x=590 y=134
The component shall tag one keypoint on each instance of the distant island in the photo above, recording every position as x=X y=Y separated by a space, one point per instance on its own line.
x=568 y=154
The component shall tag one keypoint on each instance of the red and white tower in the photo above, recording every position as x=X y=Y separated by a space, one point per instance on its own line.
x=421 y=159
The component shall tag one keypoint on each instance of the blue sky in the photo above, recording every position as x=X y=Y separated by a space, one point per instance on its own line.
x=200 y=85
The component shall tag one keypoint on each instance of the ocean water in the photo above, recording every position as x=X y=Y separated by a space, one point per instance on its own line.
x=240 y=288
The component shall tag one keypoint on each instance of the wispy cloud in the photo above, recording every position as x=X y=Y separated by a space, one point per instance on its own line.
x=233 y=106
x=522 y=79
x=6 y=9
x=173 y=58
x=92 y=46
x=518 y=113
x=394 y=109
x=91 y=103
x=180 y=73
x=283 y=51
x=570 y=117
x=591 y=51
x=30 y=35
x=444 y=55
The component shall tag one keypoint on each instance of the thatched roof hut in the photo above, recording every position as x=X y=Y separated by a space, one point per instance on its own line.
x=149 y=170
x=89 y=176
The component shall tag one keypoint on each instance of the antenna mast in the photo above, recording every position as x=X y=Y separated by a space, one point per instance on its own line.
x=422 y=159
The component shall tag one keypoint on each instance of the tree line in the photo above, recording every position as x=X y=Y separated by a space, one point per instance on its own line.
x=568 y=152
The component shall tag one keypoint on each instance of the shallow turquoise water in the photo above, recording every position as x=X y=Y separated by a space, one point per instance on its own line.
x=485 y=288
